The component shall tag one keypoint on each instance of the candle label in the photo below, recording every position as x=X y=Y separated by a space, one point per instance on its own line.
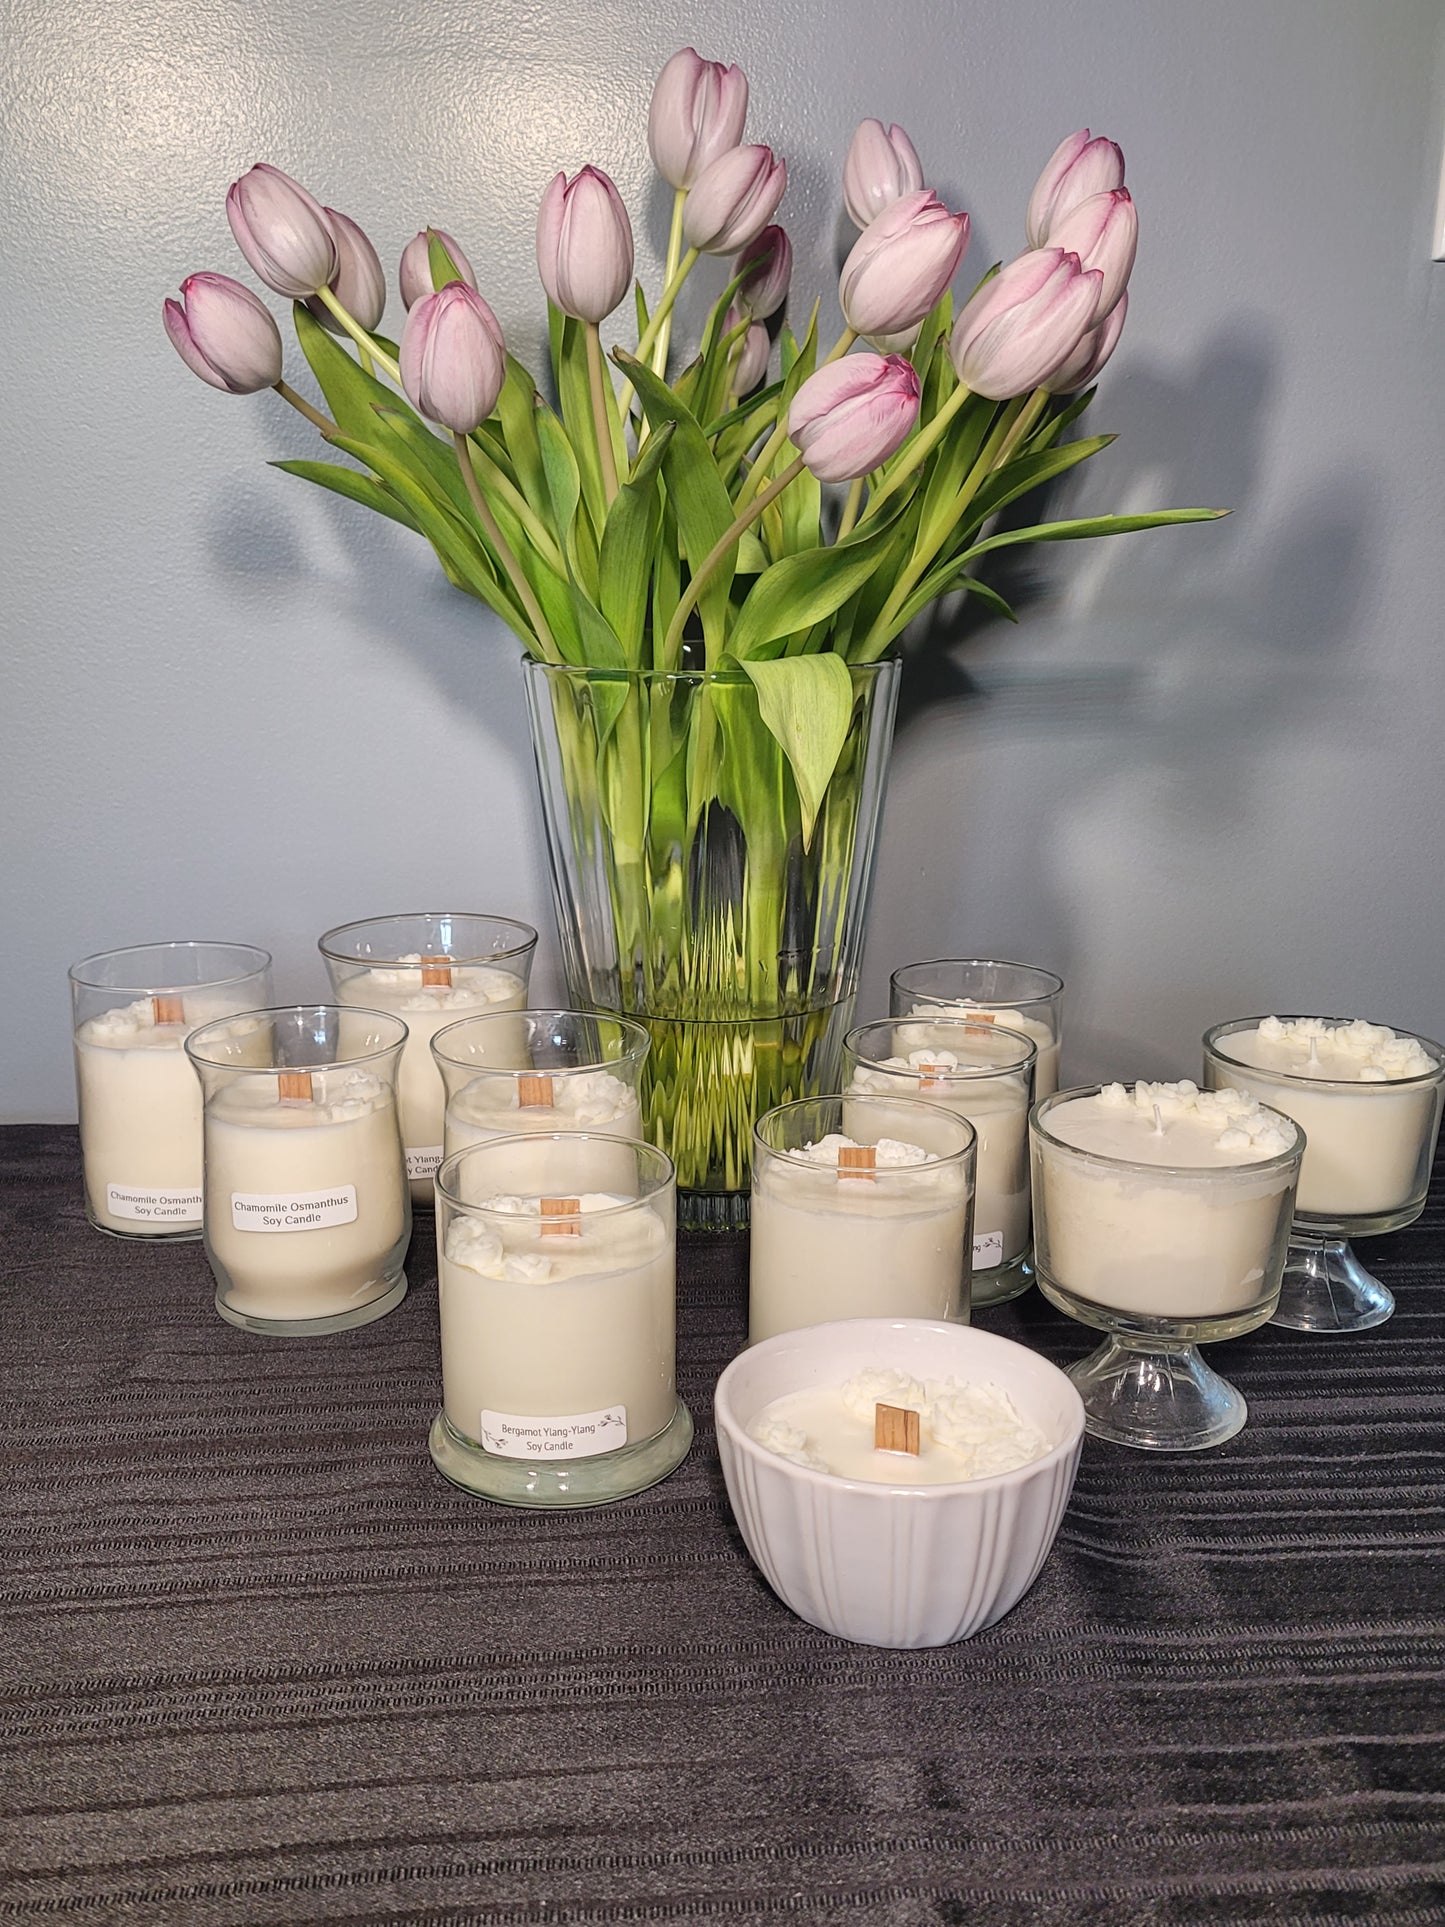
x=578 y=1435
x=422 y=1160
x=988 y=1251
x=153 y=1207
x=293 y=1210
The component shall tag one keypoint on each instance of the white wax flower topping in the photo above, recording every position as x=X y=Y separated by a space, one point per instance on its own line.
x=132 y=1025
x=471 y=984
x=876 y=1385
x=891 y=1153
x=477 y=1247
x=1355 y=1051
x=351 y=1095
x=506 y=1205
x=968 y=1430
x=984 y=1426
x=1244 y=1124
x=788 y=1441
x=587 y=1098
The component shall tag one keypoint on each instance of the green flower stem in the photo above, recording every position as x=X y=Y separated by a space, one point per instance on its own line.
x=654 y=326
x=523 y=587
x=303 y=407
x=672 y=647
x=851 y=507
x=359 y=335
x=1037 y=402
x=595 y=377
x=764 y=462
x=674 y=255
x=916 y=451
x=840 y=347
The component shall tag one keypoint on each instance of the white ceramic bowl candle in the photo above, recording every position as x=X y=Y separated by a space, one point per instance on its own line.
x=432 y=968
x=140 y=1104
x=859 y=1223
x=558 y=1314
x=578 y=1072
x=1020 y=996
x=1161 y=1215
x=885 y=1553
x=985 y=1074
x=1368 y=1098
x=307 y=1211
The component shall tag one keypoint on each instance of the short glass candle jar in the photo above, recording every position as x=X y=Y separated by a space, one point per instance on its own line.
x=307 y=1212
x=1368 y=1099
x=1161 y=1216
x=985 y=1074
x=863 y=1215
x=1020 y=996
x=578 y=1072
x=431 y=968
x=140 y=1104
x=558 y=1321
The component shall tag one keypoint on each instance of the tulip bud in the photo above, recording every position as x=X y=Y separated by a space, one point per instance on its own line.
x=584 y=245
x=415 y=279
x=1024 y=323
x=283 y=233
x=224 y=334
x=1091 y=354
x=766 y=266
x=733 y=200
x=1078 y=167
x=901 y=263
x=358 y=283
x=849 y=418
x=697 y=113
x=882 y=166
x=750 y=361
x=1104 y=232
x=453 y=358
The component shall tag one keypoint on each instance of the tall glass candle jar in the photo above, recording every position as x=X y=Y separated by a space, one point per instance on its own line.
x=140 y=1104
x=1369 y=1100
x=1020 y=996
x=307 y=1212
x=857 y=1217
x=431 y=968
x=985 y=1074
x=558 y=1320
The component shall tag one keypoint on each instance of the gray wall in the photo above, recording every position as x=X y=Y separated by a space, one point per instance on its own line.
x=1202 y=779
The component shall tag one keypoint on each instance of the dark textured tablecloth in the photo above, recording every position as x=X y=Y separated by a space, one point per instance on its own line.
x=262 y=1664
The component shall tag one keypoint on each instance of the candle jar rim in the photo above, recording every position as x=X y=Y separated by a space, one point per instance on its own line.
x=959 y=1073
x=1199 y=1173
x=662 y=1174
x=195 y=1043
x=933 y=1161
x=1355 y=1085
x=1052 y=984
x=637 y=1049
x=262 y=961
x=327 y=944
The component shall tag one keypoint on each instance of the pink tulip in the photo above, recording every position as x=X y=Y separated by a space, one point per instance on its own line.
x=224 y=334
x=1104 y=232
x=733 y=199
x=453 y=358
x=584 y=245
x=1091 y=354
x=697 y=113
x=882 y=166
x=751 y=353
x=901 y=263
x=849 y=418
x=1078 y=167
x=1024 y=323
x=766 y=266
x=358 y=283
x=415 y=279
x=284 y=234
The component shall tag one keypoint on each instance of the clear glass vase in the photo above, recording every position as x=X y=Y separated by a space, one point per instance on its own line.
x=689 y=898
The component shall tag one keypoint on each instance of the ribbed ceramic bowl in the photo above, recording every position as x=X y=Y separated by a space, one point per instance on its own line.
x=896 y=1565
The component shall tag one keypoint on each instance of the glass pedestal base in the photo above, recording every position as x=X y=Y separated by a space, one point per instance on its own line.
x=1003 y=1283
x=338 y=1321
x=1156 y=1396
x=1327 y=1289
x=549 y=1483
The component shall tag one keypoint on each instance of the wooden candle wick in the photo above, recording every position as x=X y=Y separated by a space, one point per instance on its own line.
x=930 y=1077
x=168 y=1010
x=857 y=1161
x=295 y=1084
x=534 y=1092
x=559 y=1217
x=436 y=970
x=895 y=1429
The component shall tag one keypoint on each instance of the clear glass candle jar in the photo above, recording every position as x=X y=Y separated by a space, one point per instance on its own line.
x=558 y=1321
x=862 y=1207
x=1371 y=1136
x=431 y=968
x=140 y=1104
x=1021 y=996
x=983 y=1073
x=307 y=1211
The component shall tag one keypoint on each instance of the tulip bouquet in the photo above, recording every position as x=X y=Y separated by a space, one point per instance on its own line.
x=707 y=566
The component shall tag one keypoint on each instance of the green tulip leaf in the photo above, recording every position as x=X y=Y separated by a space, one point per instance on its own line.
x=350 y=392
x=357 y=487
x=806 y=703
x=443 y=269
x=802 y=589
x=629 y=543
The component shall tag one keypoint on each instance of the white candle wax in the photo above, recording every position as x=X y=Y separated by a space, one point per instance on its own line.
x=578 y=1330
x=1151 y=1241
x=490 y=1107
x=425 y=1009
x=305 y=1198
x=1366 y=1148
x=826 y=1245
x=919 y=1036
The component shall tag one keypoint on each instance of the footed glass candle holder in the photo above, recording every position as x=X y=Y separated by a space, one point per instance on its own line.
x=307 y=1213
x=558 y=1314
x=1020 y=996
x=431 y=968
x=983 y=1073
x=1161 y=1218
x=1368 y=1099
x=140 y=1104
